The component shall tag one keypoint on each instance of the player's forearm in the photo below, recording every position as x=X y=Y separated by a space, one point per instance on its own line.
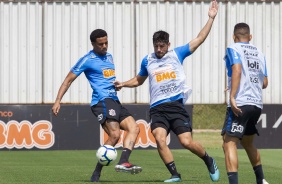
x=235 y=82
x=131 y=83
x=206 y=30
x=63 y=89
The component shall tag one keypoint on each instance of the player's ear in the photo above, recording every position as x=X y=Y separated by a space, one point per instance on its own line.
x=250 y=37
x=168 y=44
x=234 y=37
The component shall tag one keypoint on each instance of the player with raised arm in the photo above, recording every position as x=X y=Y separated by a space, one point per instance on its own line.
x=168 y=94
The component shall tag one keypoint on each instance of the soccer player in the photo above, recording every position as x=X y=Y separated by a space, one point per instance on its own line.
x=247 y=76
x=98 y=67
x=167 y=96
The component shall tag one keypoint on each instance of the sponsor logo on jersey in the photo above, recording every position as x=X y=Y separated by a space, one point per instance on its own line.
x=168 y=88
x=165 y=76
x=253 y=64
x=108 y=73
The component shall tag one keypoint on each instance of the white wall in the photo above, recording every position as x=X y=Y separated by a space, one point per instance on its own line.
x=40 y=42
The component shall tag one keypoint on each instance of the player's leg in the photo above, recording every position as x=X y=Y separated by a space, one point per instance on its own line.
x=128 y=124
x=233 y=130
x=231 y=157
x=248 y=143
x=254 y=157
x=111 y=127
x=186 y=140
x=107 y=113
x=160 y=134
x=160 y=127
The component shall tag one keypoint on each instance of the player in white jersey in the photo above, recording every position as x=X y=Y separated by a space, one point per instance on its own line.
x=167 y=95
x=98 y=67
x=247 y=76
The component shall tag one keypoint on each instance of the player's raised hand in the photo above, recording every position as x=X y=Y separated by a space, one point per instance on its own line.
x=213 y=9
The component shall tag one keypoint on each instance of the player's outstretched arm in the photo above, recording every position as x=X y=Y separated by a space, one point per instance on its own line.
x=134 y=82
x=63 y=89
x=195 y=43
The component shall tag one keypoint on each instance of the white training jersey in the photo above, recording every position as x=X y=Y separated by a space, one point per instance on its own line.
x=166 y=75
x=252 y=75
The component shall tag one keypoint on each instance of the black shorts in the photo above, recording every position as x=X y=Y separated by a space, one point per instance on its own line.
x=171 y=116
x=244 y=124
x=109 y=109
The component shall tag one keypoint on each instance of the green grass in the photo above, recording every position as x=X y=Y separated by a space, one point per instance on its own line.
x=208 y=116
x=77 y=167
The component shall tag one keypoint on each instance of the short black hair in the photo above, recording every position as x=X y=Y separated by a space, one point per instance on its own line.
x=161 y=36
x=241 y=30
x=97 y=33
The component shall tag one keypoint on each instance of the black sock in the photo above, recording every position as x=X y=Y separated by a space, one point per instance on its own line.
x=98 y=168
x=172 y=168
x=209 y=162
x=233 y=177
x=124 y=155
x=259 y=173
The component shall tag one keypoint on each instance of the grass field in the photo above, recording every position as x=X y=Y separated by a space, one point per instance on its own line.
x=77 y=166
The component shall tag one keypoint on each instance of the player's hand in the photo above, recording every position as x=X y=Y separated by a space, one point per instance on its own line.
x=234 y=107
x=213 y=9
x=118 y=85
x=56 y=108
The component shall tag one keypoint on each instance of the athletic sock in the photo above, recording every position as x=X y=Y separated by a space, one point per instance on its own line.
x=98 y=168
x=209 y=162
x=172 y=168
x=124 y=156
x=259 y=173
x=232 y=177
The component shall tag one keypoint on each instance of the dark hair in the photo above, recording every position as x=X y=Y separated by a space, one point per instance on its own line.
x=241 y=30
x=161 y=36
x=97 y=33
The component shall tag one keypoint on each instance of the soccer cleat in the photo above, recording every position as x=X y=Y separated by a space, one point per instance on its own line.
x=95 y=177
x=174 y=178
x=264 y=181
x=128 y=168
x=215 y=175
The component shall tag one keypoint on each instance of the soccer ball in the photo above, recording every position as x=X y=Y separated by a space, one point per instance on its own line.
x=106 y=154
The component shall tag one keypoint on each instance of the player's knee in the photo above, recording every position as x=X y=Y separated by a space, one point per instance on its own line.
x=188 y=144
x=160 y=140
x=114 y=136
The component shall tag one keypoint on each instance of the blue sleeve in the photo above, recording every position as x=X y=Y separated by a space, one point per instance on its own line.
x=80 y=66
x=183 y=52
x=231 y=58
x=143 y=70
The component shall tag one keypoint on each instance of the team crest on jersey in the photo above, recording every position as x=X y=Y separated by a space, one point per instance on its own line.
x=100 y=117
x=112 y=112
x=110 y=59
